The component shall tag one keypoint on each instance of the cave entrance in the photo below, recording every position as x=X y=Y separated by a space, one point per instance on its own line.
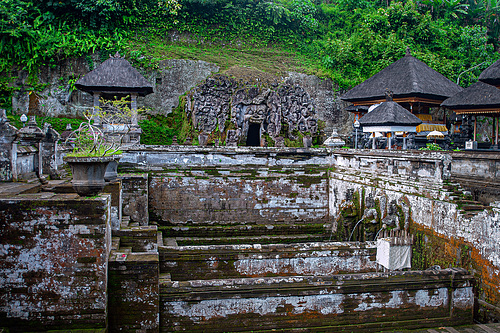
x=253 y=135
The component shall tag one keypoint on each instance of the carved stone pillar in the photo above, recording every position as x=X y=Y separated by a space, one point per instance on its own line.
x=31 y=135
x=7 y=149
x=49 y=152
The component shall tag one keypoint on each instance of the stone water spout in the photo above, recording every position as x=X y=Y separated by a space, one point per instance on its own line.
x=352 y=232
x=383 y=227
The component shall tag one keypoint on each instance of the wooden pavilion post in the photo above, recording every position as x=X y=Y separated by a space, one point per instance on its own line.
x=497 y=118
x=475 y=127
x=97 y=121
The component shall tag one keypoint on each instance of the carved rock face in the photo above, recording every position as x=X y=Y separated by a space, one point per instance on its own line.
x=221 y=100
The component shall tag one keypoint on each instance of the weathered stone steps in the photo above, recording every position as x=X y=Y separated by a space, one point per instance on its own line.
x=263 y=239
x=139 y=238
x=228 y=231
x=317 y=303
x=261 y=260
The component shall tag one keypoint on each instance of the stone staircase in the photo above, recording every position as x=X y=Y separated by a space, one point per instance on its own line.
x=464 y=200
x=249 y=233
x=272 y=276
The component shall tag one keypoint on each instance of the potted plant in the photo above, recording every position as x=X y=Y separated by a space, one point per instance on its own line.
x=96 y=144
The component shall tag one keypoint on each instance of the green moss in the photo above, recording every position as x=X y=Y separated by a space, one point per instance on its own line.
x=401 y=217
x=269 y=141
x=357 y=204
x=377 y=208
x=160 y=130
x=212 y=172
x=307 y=181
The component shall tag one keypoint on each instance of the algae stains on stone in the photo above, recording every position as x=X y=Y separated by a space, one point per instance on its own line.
x=61 y=264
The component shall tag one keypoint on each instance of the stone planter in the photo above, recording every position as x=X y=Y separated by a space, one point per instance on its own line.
x=88 y=173
x=111 y=173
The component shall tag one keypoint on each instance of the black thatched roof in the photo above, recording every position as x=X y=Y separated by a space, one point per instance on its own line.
x=115 y=75
x=491 y=75
x=478 y=96
x=407 y=77
x=390 y=114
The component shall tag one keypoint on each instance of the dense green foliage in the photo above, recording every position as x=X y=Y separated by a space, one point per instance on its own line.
x=59 y=124
x=160 y=130
x=347 y=40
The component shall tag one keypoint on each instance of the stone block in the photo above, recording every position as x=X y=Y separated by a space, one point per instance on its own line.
x=135 y=192
x=52 y=274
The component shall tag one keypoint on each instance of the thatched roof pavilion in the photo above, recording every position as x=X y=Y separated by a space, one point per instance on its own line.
x=416 y=87
x=480 y=99
x=389 y=117
x=411 y=81
x=491 y=75
x=115 y=76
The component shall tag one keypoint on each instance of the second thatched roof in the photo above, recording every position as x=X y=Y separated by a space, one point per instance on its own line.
x=491 y=75
x=479 y=97
x=389 y=113
x=407 y=77
x=115 y=75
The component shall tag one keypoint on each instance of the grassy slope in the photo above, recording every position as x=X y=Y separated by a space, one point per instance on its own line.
x=275 y=60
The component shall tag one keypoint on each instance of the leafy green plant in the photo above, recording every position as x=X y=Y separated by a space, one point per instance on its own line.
x=89 y=139
x=154 y=133
x=431 y=146
x=345 y=40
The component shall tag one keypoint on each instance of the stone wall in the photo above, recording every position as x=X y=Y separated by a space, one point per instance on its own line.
x=239 y=196
x=135 y=197
x=159 y=158
x=478 y=172
x=53 y=261
x=232 y=185
x=449 y=231
x=339 y=303
x=8 y=135
x=261 y=260
x=133 y=292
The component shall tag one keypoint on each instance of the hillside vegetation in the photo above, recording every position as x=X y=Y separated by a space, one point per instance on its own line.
x=346 y=40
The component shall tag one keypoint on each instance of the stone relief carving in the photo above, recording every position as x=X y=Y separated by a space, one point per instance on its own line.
x=222 y=101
